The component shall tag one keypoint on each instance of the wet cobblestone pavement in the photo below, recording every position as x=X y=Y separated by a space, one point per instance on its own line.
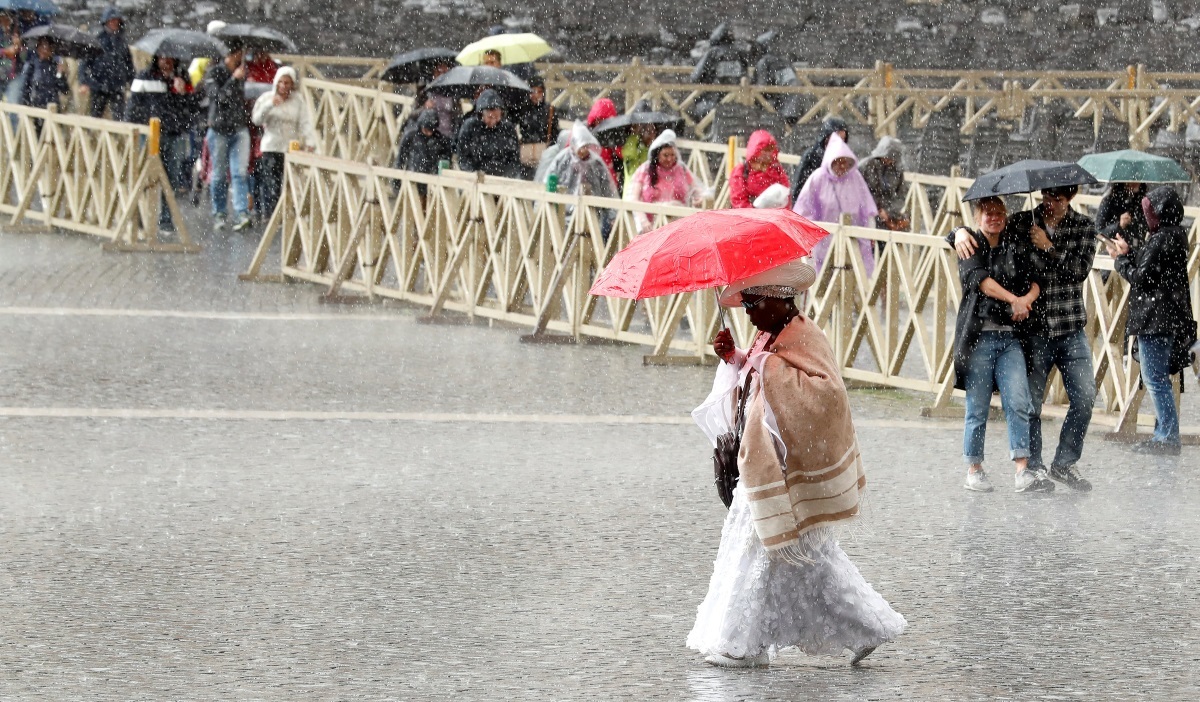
x=218 y=490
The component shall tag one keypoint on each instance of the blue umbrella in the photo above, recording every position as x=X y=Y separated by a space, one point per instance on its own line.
x=41 y=7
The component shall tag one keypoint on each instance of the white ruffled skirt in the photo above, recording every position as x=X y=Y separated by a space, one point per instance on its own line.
x=756 y=604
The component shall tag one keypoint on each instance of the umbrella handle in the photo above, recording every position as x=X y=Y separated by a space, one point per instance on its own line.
x=720 y=310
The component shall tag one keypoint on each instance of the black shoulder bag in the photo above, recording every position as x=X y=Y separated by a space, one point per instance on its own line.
x=725 y=455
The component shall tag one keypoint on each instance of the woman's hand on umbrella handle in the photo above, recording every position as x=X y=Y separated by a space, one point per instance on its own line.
x=723 y=345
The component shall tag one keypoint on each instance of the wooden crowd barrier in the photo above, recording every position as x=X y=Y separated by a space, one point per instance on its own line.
x=91 y=176
x=507 y=250
x=881 y=97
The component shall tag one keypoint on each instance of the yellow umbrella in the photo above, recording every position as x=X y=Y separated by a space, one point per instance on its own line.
x=513 y=48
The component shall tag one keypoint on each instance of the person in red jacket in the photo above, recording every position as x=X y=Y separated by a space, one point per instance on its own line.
x=759 y=171
x=601 y=110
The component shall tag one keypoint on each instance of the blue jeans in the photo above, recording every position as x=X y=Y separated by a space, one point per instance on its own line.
x=1154 y=351
x=1073 y=357
x=996 y=361
x=230 y=155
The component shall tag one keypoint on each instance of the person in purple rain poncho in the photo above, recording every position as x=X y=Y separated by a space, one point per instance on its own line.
x=838 y=188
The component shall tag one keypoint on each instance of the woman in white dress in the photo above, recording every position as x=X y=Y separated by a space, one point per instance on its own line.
x=780 y=577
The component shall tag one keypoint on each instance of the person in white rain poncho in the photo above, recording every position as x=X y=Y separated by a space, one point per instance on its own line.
x=580 y=165
x=780 y=577
x=581 y=171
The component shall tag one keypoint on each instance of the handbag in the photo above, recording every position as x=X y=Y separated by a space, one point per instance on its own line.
x=725 y=455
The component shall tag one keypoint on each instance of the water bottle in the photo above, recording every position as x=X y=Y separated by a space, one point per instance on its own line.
x=443 y=165
x=552 y=183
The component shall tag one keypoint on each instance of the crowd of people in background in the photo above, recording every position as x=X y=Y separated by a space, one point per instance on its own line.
x=1022 y=315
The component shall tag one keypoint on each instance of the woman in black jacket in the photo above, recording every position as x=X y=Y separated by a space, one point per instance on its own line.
x=1160 y=313
x=1000 y=283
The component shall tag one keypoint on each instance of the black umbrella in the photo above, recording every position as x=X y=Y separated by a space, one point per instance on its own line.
x=181 y=44
x=68 y=41
x=417 y=66
x=615 y=130
x=253 y=37
x=1027 y=177
x=465 y=81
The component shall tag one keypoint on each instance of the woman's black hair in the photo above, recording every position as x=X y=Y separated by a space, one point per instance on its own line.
x=652 y=170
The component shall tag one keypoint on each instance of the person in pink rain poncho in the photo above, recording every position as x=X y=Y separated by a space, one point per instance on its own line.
x=838 y=188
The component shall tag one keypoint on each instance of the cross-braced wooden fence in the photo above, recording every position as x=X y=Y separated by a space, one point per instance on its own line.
x=85 y=175
x=510 y=251
x=883 y=97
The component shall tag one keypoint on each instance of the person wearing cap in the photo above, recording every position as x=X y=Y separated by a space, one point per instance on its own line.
x=536 y=119
x=780 y=577
x=488 y=141
x=1065 y=246
x=228 y=136
x=422 y=147
x=1000 y=284
x=107 y=77
x=663 y=179
x=284 y=118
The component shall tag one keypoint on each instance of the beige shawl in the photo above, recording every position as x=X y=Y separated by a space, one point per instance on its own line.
x=821 y=478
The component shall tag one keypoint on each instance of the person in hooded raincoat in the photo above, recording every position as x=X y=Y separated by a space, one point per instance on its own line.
x=1120 y=212
x=838 y=188
x=759 y=171
x=814 y=156
x=551 y=153
x=488 y=141
x=284 y=118
x=1160 y=313
x=580 y=170
x=603 y=109
x=107 y=76
x=581 y=165
x=884 y=172
x=663 y=179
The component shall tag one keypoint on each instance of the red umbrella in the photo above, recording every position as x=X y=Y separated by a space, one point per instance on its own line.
x=705 y=250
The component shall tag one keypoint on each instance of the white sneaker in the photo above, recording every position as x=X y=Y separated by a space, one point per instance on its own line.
x=978 y=482
x=722 y=661
x=1030 y=480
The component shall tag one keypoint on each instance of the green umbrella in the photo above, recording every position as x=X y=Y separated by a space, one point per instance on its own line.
x=1131 y=166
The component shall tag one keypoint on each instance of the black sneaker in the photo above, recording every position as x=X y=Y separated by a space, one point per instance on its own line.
x=1070 y=477
x=1030 y=480
x=1156 y=448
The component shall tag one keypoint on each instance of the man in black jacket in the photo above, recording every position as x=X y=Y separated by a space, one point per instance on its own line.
x=422 y=146
x=108 y=75
x=228 y=136
x=488 y=141
x=162 y=91
x=536 y=120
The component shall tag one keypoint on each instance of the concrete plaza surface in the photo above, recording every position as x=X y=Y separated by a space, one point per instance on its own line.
x=220 y=490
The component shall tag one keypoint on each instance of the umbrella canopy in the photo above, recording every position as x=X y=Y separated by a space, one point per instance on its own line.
x=513 y=48
x=464 y=81
x=1027 y=177
x=181 y=44
x=417 y=66
x=705 y=250
x=41 y=7
x=1131 y=166
x=68 y=41
x=615 y=130
x=255 y=37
